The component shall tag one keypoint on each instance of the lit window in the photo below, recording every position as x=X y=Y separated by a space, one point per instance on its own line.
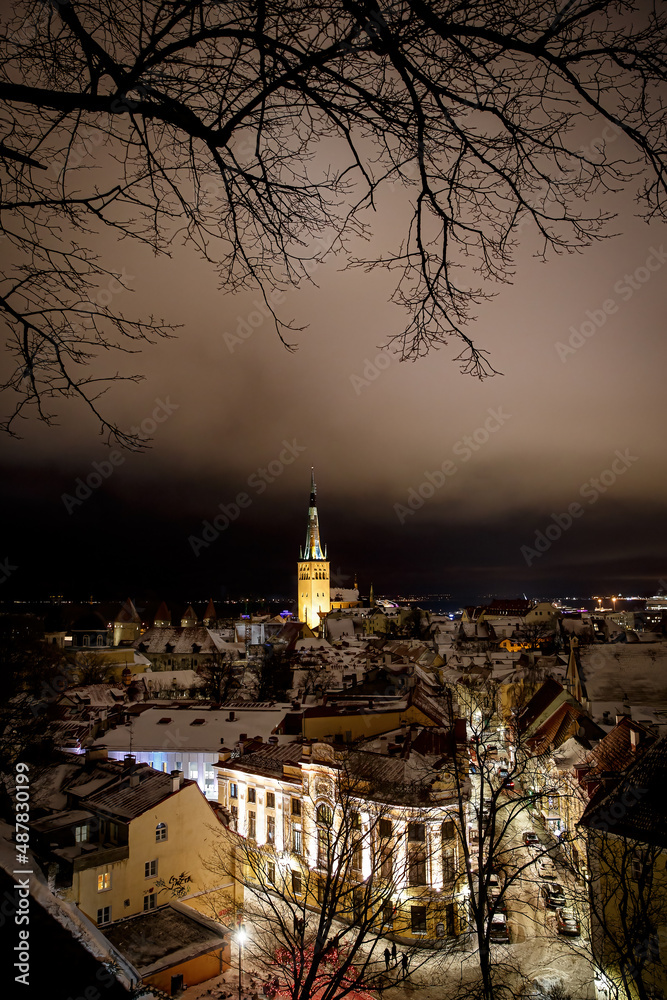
x=233 y=790
x=104 y=881
x=270 y=830
x=161 y=832
x=104 y=915
x=150 y=901
x=296 y=839
x=150 y=869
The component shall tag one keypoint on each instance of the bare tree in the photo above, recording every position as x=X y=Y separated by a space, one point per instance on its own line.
x=91 y=668
x=217 y=671
x=210 y=117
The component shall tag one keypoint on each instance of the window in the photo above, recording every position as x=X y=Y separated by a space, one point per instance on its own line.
x=160 y=832
x=385 y=828
x=104 y=915
x=164 y=766
x=418 y=919
x=296 y=883
x=322 y=847
x=150 y=901
x=296 y=807
x=86 y=640
x=448 y=829
x=325 y=815
x=233 y=790
x=104 y=881
x=113 y=832
x=449 y=920
x=417 y=867
x=296 y=839
x=448 y=866
x=252 y=825
x=209 y=775
x=150 y=869
x=270 y=800
x=271 y=872
x=270 y=829
x=416 y=833
x=193 y=771
x=100 y=640
x=81 y=833
x=252 y=795
x=387 y=915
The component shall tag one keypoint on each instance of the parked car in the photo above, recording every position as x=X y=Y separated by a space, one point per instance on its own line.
x=546 y=869
x=553 y=895
x=495 y=901
x=530 y=838
x=498 y=929
x=508 y=783
x=567 y=921
x=503 y=772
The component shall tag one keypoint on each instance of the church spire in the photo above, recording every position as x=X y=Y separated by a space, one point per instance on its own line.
x=313 y=547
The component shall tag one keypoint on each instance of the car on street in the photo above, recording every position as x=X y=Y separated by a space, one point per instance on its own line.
x=567 y=921
x=498 y=929
x=495 y=901
x=546 y=869
x=553 y=895
x=530 y=838
x=508 y=783
x=503 y=772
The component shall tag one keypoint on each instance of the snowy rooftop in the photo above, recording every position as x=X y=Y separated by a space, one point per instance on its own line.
x=164 y=937
x=193 y=729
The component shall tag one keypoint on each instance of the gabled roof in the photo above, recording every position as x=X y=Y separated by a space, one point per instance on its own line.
x=127 y=801
x=565 y=722
x=615 y=752
x=165 y=937
x=539 y=703
x=189 y=613
x=636 y=806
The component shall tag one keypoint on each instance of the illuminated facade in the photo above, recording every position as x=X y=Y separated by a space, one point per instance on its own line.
x=313 y=571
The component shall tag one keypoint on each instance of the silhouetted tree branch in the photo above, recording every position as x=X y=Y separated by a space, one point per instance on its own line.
x=210 y=117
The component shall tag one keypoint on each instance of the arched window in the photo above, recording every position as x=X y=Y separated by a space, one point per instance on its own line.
x=86 y=640
x=324 y=815
x=160 y=832
x=100 y=640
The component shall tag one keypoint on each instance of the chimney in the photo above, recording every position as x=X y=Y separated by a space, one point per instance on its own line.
x=129 y=760
x=231 y=717
x=273 y=739
x=634 y=740
x=243 y=737
x=307 y=749
x=134 y=779
x=176 y=780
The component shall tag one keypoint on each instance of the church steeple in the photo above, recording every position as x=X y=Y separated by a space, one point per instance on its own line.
x=313 y=547
x=314 y=583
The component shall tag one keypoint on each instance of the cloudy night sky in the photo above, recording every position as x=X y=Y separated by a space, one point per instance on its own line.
x=571 y=407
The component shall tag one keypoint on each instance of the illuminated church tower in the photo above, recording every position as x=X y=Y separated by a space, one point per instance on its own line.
x=313 y=574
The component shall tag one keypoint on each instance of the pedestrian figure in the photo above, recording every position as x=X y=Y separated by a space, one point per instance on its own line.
x=404 y=963
x=387 y=957
x=393 y=953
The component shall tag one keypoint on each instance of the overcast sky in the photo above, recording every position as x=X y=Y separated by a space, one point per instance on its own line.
x=517 y=449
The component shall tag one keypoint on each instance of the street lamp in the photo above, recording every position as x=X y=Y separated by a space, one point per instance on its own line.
x=241 y=937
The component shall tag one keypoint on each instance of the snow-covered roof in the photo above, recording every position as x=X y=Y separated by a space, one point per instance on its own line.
x=173 y=727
